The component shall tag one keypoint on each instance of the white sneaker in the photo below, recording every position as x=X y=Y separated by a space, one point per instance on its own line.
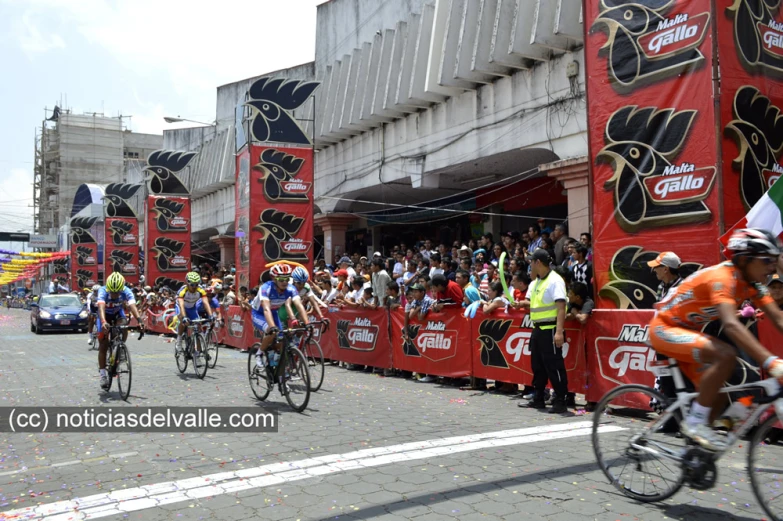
x=529 y=396
x=89 y=339
x=259 y=361
x=428 y=379
x=704 y=436
x=105 y=383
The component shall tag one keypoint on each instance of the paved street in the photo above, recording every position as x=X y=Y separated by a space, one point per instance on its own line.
x=444 y=453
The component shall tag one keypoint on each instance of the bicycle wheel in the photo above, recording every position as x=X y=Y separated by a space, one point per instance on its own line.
x=765 y=465
x=198 y=355
x=179 y=355
x=259 y=381
x=296 y=382
x=631 y=446
x=123 y=371
x=315 y=363
x=212 y=348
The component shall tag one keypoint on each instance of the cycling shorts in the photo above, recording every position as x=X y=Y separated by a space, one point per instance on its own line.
x=260 y=323
x=191 y=313
x=680 y=343
x=110 y=318
x=93 y=309
x=202 y=311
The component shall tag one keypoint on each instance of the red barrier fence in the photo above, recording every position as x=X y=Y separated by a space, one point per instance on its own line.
x=357 y=337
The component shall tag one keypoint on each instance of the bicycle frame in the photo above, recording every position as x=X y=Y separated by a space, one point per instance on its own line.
x=772 y=399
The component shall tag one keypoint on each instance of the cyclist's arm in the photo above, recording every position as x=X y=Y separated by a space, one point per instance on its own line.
x=740 y=335
x=102 y=311
x=267 y=307
x=205 y=301
x=135 y=311
x=289 y=309
x=181 y=304
x=301 y=309
x=316 y=304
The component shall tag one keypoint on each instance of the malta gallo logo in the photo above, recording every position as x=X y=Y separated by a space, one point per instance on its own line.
x=278 y=171
x=60 y=265
x=121 y=262
x=491 y=334
x=757 y=128
x=80 y=230
x=408 y=347
x=272 y=102
x=435 y=342
x=647 y=43
x=122 y=233
x=757 y=35
x=167 y=215
x=236 y=327
x=278 y=231
x=359 y=335
x=632 y=284
x=650 y=190
x=166 y=282
x=116 y=197
x=163 y=166
x=85 y=256
x=167 y=255
x=627 y=354
x=85 y=278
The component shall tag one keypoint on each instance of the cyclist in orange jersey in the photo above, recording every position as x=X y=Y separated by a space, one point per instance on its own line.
x=716 y=293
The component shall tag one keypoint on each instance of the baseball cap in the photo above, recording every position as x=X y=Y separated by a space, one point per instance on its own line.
x=666 y=258
x=376 y=254
x=417 y=287
x=341 y=273
x=346 y=260
x=774 y=278
x=540 y=255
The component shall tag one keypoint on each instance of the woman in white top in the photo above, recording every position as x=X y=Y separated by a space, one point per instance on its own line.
x=496 y=298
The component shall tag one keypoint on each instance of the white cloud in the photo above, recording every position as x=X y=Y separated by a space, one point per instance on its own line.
x=33 y=40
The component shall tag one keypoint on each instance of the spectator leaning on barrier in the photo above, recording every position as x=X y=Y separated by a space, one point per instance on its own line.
x=380 y=278
x=392 y=299
x=582 y=269
x=418 y=308
x=546 y=298
x=447 y=292
x=580 y=305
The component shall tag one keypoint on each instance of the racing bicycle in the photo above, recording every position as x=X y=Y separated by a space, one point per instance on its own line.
x=193 y=348
x=119 y=362
x=311 y=348
x=638 y=447
x=211 y=337
x=291 y=372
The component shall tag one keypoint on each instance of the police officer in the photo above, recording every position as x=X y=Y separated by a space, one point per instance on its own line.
x=546 y=298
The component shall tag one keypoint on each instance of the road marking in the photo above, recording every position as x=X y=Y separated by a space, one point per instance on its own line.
x=150 y=496
x=68 y=463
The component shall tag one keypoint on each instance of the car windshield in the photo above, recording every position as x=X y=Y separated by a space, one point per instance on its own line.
x=60 y=300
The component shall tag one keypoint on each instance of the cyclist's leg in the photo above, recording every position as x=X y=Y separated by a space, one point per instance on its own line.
x=192 y=314
x=260 y=323
x=103 y=346
x=180 y=326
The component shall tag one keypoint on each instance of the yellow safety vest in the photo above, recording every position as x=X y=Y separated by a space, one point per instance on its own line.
x=540 y=312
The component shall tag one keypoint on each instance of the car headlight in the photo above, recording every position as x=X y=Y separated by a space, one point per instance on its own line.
x=84 y=314
x=45 y=314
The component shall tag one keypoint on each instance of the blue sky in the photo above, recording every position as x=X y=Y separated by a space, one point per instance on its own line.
x=141 y=58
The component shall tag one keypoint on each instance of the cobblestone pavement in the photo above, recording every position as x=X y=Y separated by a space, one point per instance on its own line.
x=490 y=470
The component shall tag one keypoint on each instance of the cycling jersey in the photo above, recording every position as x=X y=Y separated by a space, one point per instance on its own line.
x=191 y=298
x=213 y=303
x=274 y=296
x=304 y=293
x=92 y=303
x=676 y=329
x=115 y=305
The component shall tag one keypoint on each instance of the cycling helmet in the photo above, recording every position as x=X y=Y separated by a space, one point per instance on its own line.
x=115 y=283
x=193 y=278
x=281 y=270
x=753 y=241
x=217 y=287
x=300 y=275
x=96 y=288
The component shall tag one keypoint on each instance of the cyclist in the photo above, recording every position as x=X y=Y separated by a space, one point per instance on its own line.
x=187 y=299
x=299 y=277
x=716 y=293
x=271 y=297
x=112 y=299
x=92 y=306
x=213 y=303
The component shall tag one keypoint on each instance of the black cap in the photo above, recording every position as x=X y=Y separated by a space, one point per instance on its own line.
x=417 y=287
x=541 y=255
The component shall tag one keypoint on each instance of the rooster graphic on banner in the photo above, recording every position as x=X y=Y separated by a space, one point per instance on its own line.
x=166 y=210
x=80 y=230
x=491 y=333
x=272 y=102
x=163 y=167
x=116 y=197
x=166 y=254
x=279 y=231
x=758 y=36
x=278 y=171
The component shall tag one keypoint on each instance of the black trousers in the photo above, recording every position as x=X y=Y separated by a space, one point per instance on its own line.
x=547 y=362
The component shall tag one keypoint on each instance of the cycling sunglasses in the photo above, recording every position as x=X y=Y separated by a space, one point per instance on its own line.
x=282 y=279
x=767 y=260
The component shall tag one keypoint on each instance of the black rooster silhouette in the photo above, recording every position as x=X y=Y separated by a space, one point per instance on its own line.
x=120 y=259
x=271 y=101
x=748 y=16
x=60 y=265
x=491 y=333
x=276 y=168
x=758 y=131
x=640 y=144
x=80 y=230
x=277 y=227
x=342 y=334
x=117 y=196
x=167 y=209
x=84 y=277
x=119 y=229
x=632 y=284
x=408 y=347
x=82 y=253
x=174 y=284
x=163 y=165
x=165 y=250
x=625 y=21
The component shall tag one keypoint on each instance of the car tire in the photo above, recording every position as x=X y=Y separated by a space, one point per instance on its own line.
x=32 y=327
x=37 y=330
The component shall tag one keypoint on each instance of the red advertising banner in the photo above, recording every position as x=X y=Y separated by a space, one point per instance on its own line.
x=652 y=146
x=242 y=220
x=167 y=241
x=121 y=247
x=503 y=349
x=750 y=45
x=441 y=345
x=275 y=187
x=84 y=265
x=357 y=337
x=239 y=330
x=619 y=353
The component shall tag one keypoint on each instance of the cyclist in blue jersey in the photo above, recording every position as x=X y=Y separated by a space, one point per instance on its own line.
x=92 y=306
x=214 y=304
x=270 y=298
x=112 y=300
